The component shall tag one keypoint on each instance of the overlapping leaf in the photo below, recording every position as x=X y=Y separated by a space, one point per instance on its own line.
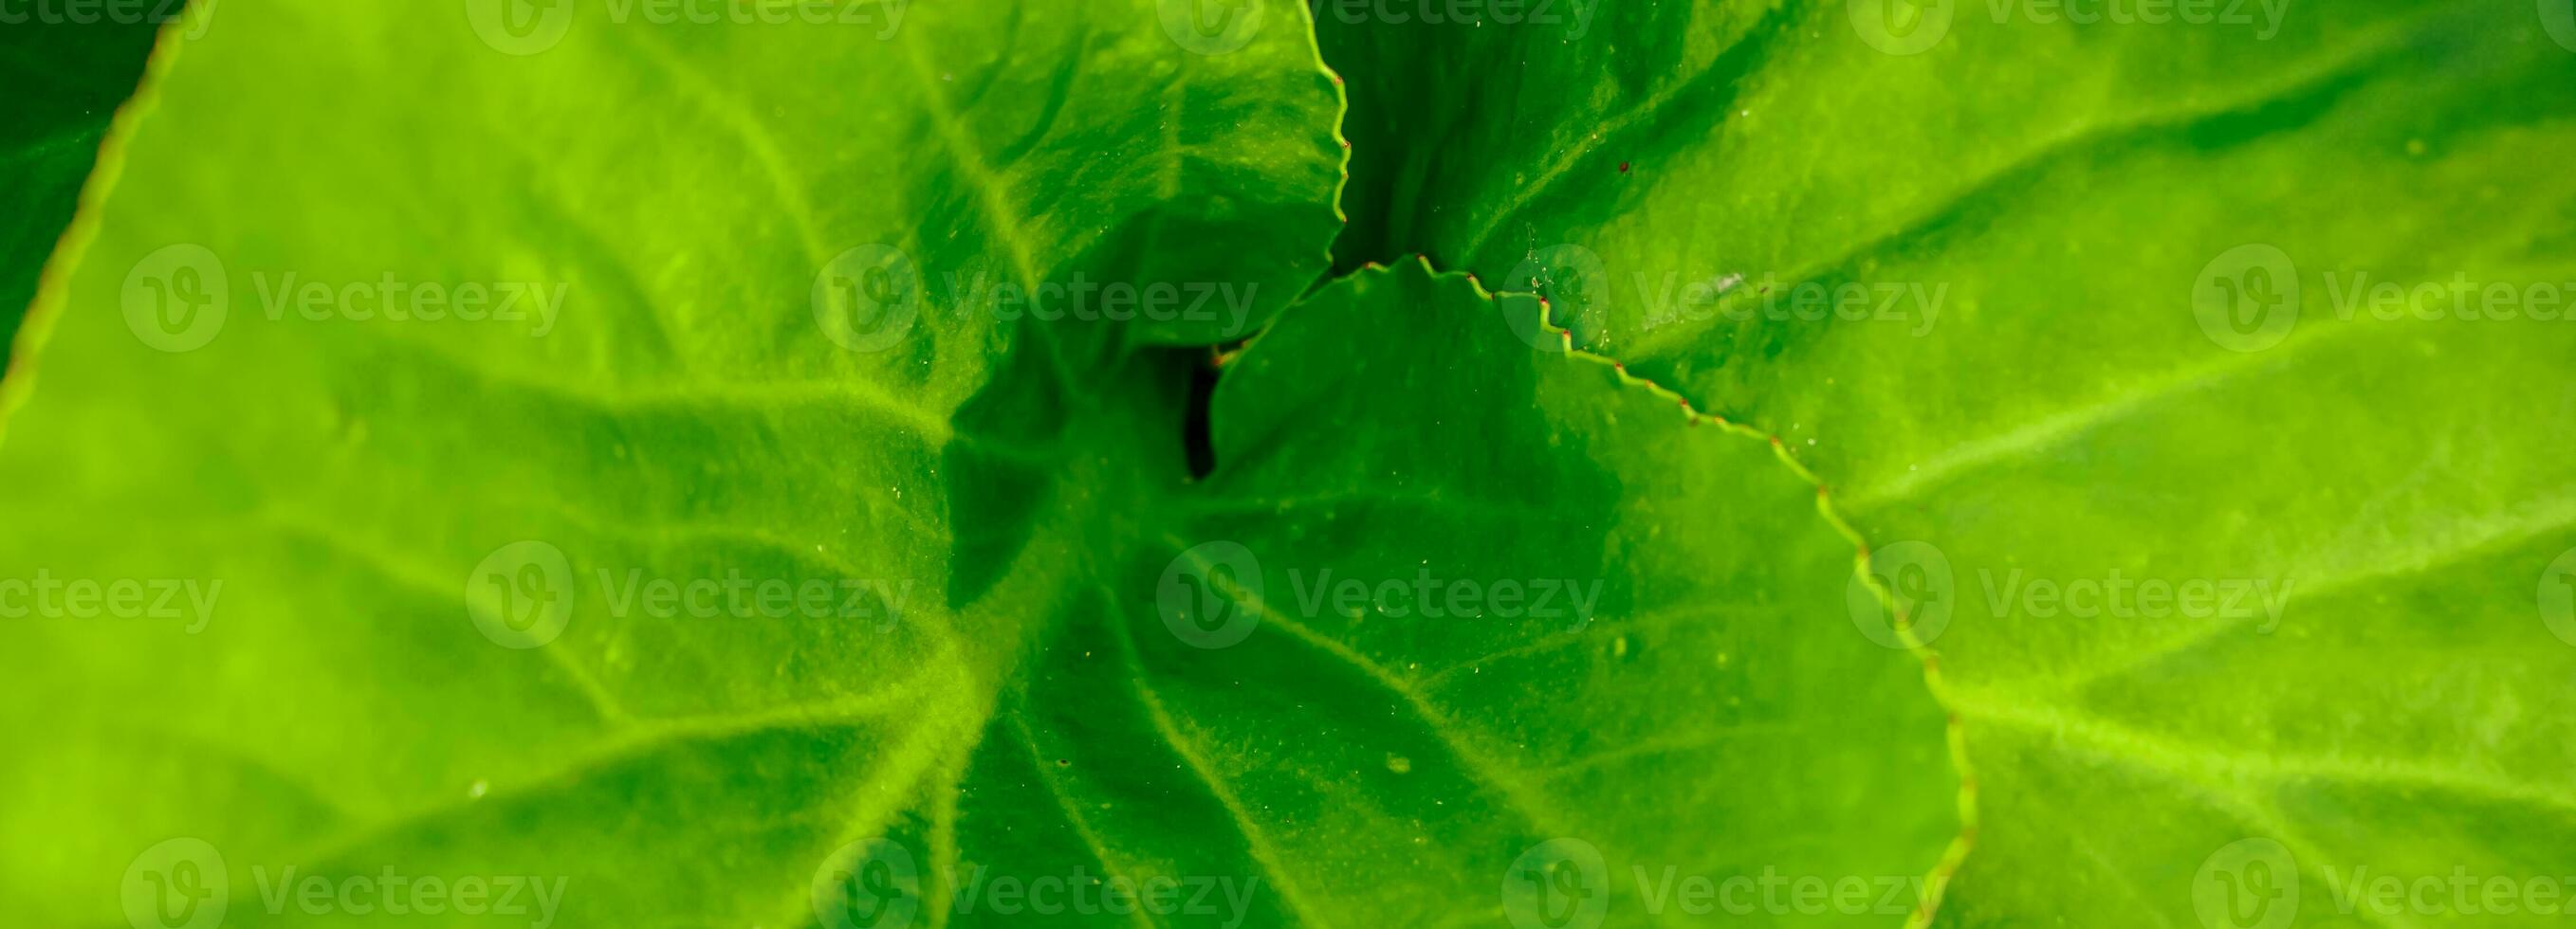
x=2271 y=311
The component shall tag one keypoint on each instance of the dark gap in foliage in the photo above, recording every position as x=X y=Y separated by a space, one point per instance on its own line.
x=1196 y=445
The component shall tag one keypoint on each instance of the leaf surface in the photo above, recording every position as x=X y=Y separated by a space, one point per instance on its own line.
x=2155 y=253
x=69 y=78
x=496 y=593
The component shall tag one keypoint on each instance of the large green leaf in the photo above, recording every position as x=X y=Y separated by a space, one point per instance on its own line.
x=429 y=639
x=2105 y=332
x=67 y=77
x=680 y=383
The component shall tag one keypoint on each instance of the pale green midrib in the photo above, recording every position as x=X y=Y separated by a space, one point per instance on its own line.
x=1009 y=227
x=1091 y=838
x=2120 y=745
x=755 y=136
x=2324 y=69
x=852 y=393
x=2492 y=538
x=1559 y=640
x=2054 y=429
x=2082 y=839
x=630 y=736
x=637 y=742
x=1256 y=841
x=910 y=768
x=943 y=825
x=1523 y=195
x=1723 y=736
x=1523 y=800
x=430 y=583
x=2164 y=753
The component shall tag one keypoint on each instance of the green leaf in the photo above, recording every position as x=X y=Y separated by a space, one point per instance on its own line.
x=486 y=598
x=741 y=329
x=69 y=78
x=2157 y=356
